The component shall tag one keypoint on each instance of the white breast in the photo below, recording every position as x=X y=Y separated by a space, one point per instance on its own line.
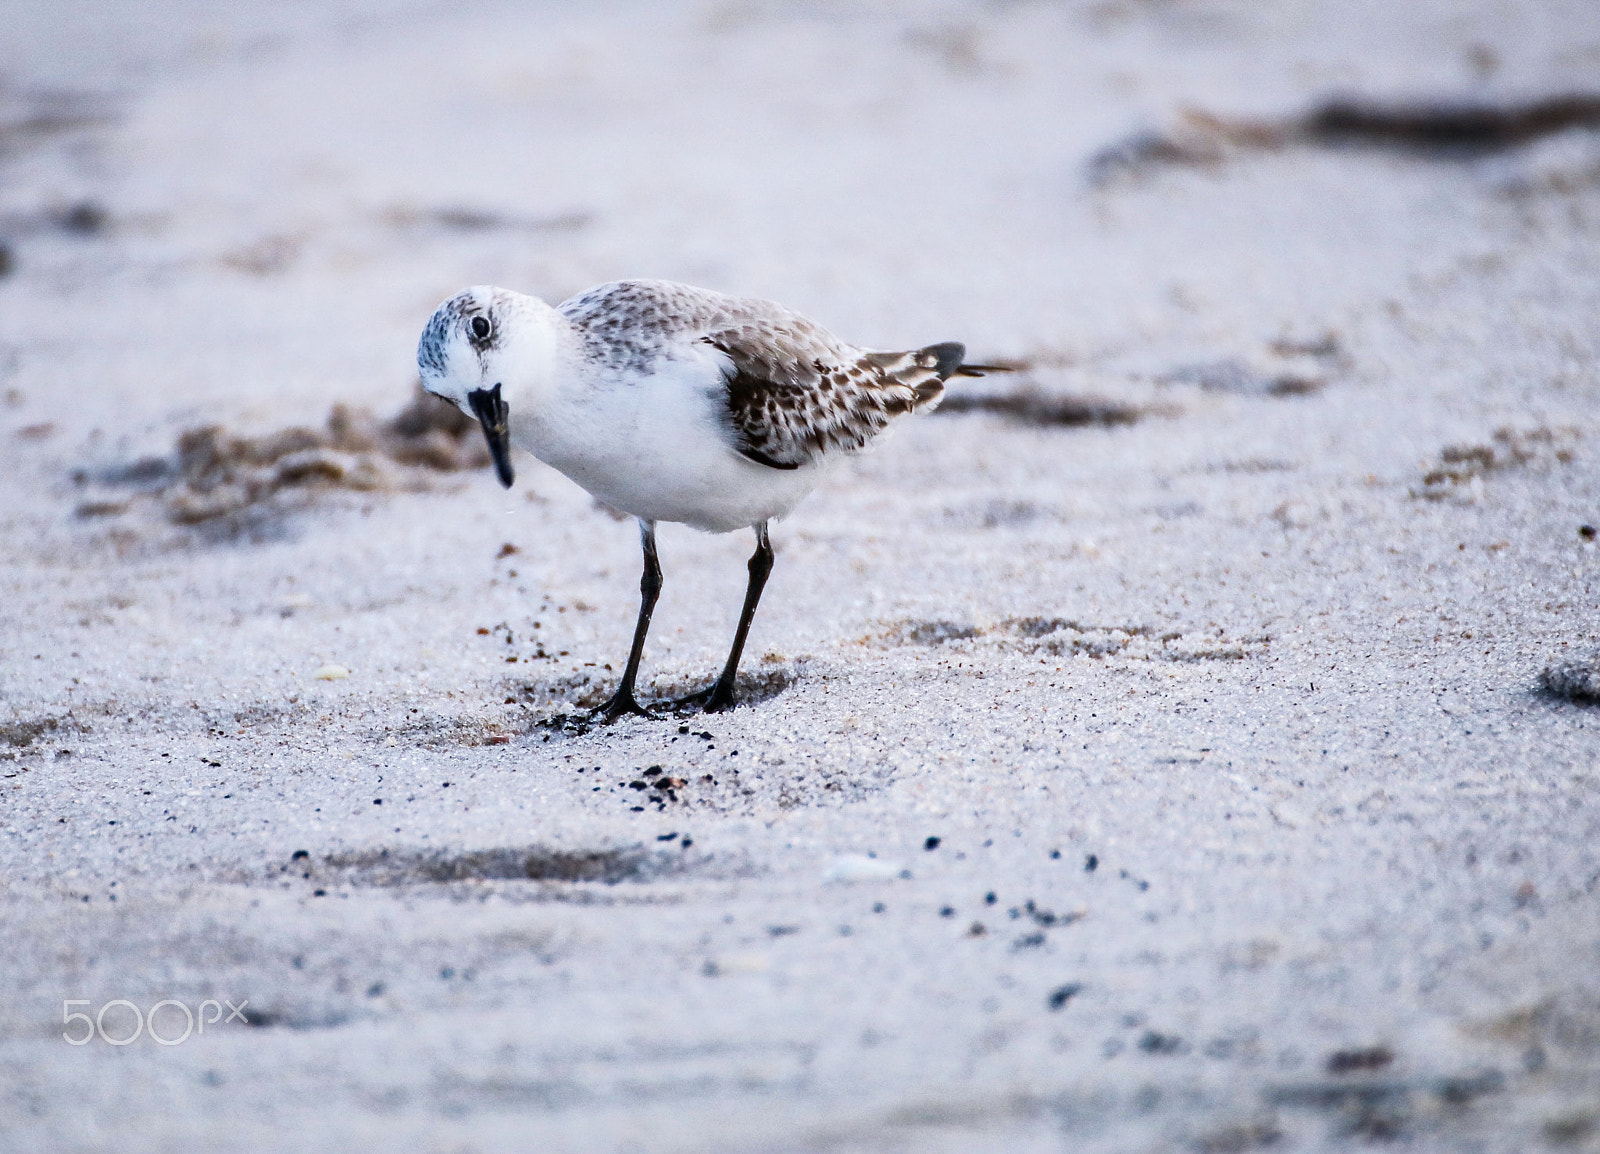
x=655 y=446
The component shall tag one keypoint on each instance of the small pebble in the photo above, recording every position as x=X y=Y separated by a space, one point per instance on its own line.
x=1157 y=1043
x=331 y=673
x=1061 y=995
x=1358 y=1061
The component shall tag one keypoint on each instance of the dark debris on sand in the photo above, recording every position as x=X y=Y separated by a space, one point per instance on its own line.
x=1575 y=681
x=411 y=866
x=1031 y=406
x=1460 y=465
x=1435 y=129
x=213 y=474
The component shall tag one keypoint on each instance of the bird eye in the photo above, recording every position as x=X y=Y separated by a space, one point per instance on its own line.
x=480 y=328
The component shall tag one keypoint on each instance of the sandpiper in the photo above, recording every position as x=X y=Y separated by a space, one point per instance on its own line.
x=673 y=403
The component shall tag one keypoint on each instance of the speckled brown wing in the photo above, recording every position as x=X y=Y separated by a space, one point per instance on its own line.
x=793 y=390
x=794 y=393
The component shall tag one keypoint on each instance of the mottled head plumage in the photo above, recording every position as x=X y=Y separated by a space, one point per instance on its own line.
x=435 y=335
x=472 y=316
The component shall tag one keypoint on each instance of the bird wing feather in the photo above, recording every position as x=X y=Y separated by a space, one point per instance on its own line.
x=793 y=391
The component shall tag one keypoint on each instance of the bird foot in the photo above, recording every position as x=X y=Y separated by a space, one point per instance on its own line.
x=621 y=704
x=713 y=699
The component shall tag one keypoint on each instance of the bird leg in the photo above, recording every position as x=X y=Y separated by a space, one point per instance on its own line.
x=623 y=701
x=720 y=696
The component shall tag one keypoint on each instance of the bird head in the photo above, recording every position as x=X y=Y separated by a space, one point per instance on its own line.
x=477 y=350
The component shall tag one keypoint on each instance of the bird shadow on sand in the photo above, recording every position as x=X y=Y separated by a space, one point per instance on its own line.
x=571 y=701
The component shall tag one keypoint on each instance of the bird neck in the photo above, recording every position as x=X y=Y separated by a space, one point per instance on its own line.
x=532 y=366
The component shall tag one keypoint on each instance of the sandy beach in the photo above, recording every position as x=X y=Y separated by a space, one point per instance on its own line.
x=1148 y=751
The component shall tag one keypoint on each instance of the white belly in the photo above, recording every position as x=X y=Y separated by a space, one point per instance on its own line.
x=655 y=449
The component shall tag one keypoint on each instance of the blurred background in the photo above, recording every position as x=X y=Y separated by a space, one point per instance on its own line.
x=1185 y=680
x=275 y=196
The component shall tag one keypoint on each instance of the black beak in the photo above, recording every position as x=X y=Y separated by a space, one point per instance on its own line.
x=492 y=412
